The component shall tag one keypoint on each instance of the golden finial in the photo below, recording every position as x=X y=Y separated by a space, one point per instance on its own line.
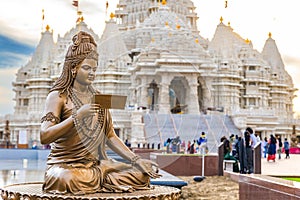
x=112 y=15
x=164 y=2
x=197 y=40
x=247 y=41
x=270 y=34
x=79 y=12
x=178 y=26
x=228 y=23
x=167 y=23
x=81 y=19
x=47 y=27
x=221 y=19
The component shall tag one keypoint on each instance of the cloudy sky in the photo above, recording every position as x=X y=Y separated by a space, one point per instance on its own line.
x=21 y=24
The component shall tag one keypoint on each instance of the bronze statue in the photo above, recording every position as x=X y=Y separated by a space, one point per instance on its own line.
x=79 y=129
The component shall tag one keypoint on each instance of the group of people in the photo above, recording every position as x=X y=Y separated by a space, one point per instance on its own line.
x=191 y=147
x=240 y=149
x=273 y=146
x=197 y=145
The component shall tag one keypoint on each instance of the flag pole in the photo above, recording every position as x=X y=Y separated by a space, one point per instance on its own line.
x=76 y=4
x=106 y=8
x=43 y=18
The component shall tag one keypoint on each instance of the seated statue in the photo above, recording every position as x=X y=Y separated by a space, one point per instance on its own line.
x=79 y=129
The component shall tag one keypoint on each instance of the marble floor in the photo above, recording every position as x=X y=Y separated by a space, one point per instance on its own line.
x=21 y=171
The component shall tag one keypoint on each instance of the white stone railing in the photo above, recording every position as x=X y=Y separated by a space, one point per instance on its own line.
x=254 y=112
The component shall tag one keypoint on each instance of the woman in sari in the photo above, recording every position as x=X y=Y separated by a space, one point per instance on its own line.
x=79 y=129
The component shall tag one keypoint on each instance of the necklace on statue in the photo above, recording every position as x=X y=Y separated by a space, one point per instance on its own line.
x=84 y=126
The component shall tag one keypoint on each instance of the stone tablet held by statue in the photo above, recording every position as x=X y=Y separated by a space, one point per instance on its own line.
x=110 y=101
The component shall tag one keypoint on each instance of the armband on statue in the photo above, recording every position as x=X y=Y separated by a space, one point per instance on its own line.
x=51 y=118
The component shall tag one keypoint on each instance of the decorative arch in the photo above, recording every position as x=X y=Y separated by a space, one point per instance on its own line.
x=204 y=95
x=153 y=92
x=178 y=94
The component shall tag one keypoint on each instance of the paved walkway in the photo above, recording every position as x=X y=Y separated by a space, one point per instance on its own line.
x=282 y=167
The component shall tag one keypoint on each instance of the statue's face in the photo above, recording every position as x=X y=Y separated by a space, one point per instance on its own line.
x=86 y=72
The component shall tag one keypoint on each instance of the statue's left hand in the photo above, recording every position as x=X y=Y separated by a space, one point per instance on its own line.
x=149 y=167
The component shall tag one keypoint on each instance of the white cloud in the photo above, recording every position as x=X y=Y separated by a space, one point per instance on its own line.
x=22 y=20
x=10 y=59
x=7 y=75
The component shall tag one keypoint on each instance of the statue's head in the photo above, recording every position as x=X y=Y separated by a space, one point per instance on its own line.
x=83 y=47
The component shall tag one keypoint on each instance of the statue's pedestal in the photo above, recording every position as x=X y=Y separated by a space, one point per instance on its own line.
x=33 y=191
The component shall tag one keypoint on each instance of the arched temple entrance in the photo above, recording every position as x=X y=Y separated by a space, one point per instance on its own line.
x=177 y=95
x=203 y=94
x=200 y=97
x=153 y=92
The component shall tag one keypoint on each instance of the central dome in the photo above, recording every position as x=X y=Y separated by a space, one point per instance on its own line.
x=164 y=18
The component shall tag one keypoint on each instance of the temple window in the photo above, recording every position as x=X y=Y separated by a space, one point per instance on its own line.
x=251 y=101
x=25 y=102
x=252 y=68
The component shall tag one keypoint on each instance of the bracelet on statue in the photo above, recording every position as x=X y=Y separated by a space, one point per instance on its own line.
x=134 y=159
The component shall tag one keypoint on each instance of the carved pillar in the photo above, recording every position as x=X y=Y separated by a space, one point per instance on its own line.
x=164 y=103
x=137 y=129
x=192 y=101
x=143 y=92
x=207 y=95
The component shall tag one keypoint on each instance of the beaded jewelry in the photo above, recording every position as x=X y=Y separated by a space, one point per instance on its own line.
x=84 y=126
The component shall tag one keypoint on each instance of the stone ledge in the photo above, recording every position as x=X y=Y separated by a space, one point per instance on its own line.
x=257 y=186
x=33 y=191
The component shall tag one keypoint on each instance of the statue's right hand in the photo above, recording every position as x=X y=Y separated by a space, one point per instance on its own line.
x=87 y=110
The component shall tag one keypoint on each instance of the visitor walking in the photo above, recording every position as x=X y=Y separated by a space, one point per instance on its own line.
x=279 y=147
x=272 y=148
x=265 y=146
x=286 y=146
